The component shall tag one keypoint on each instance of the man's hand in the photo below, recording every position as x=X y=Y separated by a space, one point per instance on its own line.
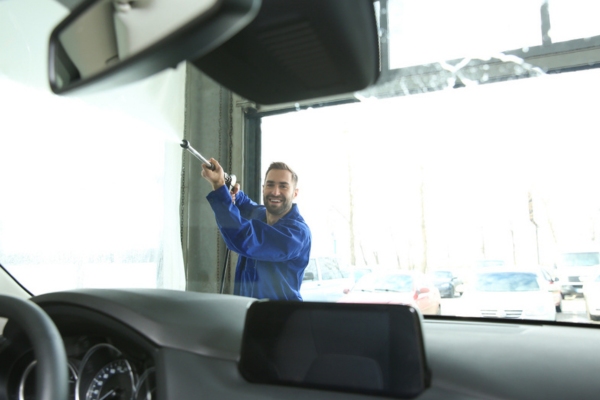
x=234 y=190
x=217 y=177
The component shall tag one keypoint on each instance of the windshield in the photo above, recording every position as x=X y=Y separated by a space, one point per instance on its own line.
x=580 y=259
x=475 y=150
x=442 y=275
x=391 y=283
x=506 y=282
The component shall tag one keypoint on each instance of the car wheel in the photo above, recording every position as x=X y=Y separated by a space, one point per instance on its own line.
x=51 y=369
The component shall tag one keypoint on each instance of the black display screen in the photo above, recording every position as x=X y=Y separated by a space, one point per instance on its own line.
x=360 y=348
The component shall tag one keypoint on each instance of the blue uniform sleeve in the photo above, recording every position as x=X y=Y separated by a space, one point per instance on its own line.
x=245 y=204
x=254 y=238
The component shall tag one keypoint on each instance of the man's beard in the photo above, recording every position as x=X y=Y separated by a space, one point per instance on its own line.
x=283 y=207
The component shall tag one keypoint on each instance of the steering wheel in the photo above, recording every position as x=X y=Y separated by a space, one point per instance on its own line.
x=52 y=382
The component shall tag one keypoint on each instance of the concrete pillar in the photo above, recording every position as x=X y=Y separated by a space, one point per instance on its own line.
x=214 y=127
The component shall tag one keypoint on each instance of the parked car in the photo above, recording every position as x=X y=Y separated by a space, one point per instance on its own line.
x=396 y=287
x=324 y=280
x=512 y=293
x=447 y=283
x=574 y=268
x=591 y=295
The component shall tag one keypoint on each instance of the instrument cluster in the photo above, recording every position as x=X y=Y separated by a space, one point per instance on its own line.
x=98 y=370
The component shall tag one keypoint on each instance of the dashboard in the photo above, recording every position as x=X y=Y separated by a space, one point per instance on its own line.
x=161 y=344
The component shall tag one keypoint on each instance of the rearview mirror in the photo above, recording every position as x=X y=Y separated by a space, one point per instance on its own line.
x=105 y=43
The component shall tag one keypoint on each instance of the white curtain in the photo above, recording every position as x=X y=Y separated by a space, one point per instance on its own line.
x=89 y=185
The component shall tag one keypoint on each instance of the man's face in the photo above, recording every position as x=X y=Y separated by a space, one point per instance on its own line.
x=279 y=192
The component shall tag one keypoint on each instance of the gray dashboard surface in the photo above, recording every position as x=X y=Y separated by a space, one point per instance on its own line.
x=201 y=323
x=200 y=336
x=514 y=361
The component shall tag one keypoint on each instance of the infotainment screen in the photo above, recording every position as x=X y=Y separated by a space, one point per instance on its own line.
x=360 y=348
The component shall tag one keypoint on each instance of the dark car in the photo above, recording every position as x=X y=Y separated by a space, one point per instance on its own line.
x=447 y=283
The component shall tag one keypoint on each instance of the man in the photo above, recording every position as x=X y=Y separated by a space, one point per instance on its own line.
x=273 y=241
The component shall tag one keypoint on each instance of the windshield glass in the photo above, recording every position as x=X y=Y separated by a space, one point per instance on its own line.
x=506 y=282
x=475 y=150
x=89 y=183
x=442 y=275
x=580 y=259
x=392 y=282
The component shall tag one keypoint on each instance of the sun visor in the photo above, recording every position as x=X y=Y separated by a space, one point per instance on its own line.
x=297 y=50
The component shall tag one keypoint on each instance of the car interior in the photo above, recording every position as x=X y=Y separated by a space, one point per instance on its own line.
x=438 y=136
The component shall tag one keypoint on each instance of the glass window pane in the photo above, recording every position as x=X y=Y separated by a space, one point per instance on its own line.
x=330 y=269
x=422 y=32
x=573 y=19
x=78 y=207
x=312 y=268
x=441 y=180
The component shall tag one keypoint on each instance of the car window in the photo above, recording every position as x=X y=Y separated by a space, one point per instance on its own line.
x=579 y=259
x=442 y=274
x=394 y=282
x=330 y=269
x=506 y=282
x=312 y=268
x=546 y=275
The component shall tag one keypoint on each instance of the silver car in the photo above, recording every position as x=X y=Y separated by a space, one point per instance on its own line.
x=509 y=293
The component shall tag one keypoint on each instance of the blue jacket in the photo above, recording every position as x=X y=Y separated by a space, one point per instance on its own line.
x=271 y=259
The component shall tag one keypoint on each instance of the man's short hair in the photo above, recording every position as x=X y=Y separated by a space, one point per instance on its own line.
x=283 y=166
